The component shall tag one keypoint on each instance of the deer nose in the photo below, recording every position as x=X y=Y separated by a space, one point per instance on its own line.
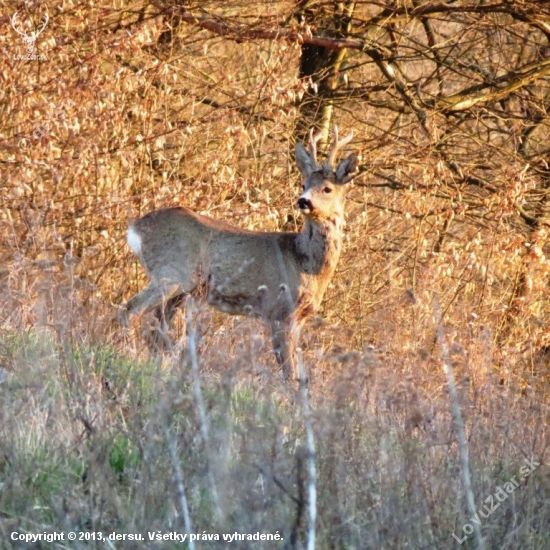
x=305 y=204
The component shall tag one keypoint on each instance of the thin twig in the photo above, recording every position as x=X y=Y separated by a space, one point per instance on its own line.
x=179 y=481
x=310 y=444
x=458 y=422
x=197 y=394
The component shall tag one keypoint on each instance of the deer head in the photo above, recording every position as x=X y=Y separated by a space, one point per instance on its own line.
x=323 y=183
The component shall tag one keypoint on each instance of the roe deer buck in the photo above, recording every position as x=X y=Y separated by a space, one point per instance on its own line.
x=279 y=277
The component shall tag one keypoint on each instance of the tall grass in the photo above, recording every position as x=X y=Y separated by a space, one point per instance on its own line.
x=86 y=433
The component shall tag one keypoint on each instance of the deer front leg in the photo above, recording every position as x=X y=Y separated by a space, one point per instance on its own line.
x=284 y=344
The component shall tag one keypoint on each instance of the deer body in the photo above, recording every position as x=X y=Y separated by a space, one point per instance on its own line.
x=278 y=277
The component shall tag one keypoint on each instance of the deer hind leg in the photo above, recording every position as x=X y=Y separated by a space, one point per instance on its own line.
x=166 y=311
x=163 y=299
x=284 y=344
x=156 y=334
x=151 y=296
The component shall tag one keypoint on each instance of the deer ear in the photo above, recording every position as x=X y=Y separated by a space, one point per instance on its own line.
x=346 y=169
x=303 y=160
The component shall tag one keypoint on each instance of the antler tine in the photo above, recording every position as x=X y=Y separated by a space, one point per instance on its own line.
x=337 y=145
x=313 y=147
x=46 y=18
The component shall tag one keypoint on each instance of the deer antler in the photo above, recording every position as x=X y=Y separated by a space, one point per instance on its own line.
x=14 y=22
x=313 y=148
x=336 y=146
x=46 y=18
x=34 y=34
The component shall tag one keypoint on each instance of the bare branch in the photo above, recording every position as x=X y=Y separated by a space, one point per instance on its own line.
x=238 y=32
x=515 y=80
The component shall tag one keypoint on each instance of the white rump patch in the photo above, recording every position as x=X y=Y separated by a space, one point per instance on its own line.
x=134 y=240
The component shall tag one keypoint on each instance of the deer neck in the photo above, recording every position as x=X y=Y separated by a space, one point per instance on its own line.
x=318 y=246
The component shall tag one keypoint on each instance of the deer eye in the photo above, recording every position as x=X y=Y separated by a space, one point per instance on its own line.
x=327 y=190
x=304 y=187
